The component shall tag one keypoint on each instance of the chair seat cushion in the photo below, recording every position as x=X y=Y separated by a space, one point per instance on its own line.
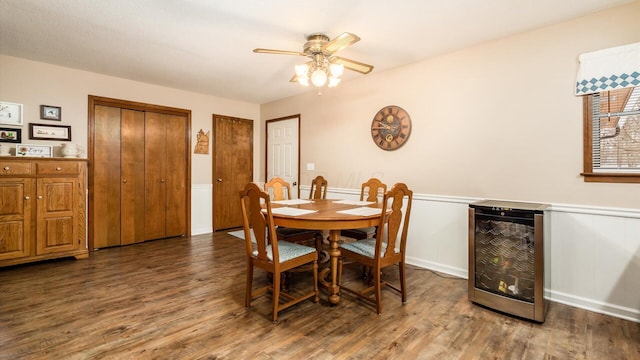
x=365 y=247
x=288 y=251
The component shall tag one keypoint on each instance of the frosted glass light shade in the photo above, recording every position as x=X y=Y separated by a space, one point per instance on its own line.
x=336 y=70
x=319 y=77
x=334 y=81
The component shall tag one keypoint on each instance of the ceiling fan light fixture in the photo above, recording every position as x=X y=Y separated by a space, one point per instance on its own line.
x=319 y=77
x=336 y=70
x=324 y=65
x=302 y=70
x=302 y=74
x=304 y=81
x=333 y=81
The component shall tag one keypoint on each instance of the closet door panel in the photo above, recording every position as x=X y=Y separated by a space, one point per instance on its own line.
x=106 y=175
x=176 y=156
x=155 y=175
x=132 y=182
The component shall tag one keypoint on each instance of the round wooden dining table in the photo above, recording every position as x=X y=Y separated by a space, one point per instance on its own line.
x=327 y=216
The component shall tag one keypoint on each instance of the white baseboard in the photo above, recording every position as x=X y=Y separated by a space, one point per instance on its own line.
x=441 y=268
x=592 y=305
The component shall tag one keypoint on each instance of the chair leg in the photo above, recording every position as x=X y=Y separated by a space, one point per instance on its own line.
x=403 y=285
x=315 y=282
x=276 y=295
x=378 y=291
x=247 y=297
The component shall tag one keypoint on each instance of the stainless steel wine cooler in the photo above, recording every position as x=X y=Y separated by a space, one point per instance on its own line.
x=506 y=257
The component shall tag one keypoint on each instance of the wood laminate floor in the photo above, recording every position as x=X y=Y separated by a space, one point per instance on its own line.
x=183 y=299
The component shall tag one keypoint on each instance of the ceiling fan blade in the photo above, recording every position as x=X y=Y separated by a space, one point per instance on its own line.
x=278 y=52
x=353 y=65
x=340 y=42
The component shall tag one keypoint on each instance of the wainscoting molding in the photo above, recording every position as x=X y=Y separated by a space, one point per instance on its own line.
x=592 y=254
x=201 y=209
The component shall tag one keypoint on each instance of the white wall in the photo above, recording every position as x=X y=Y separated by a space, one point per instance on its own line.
x=498 y=120
x=34 y=83
x=495 y=121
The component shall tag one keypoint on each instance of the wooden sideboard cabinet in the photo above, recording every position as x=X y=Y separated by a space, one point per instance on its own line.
x=42 y=209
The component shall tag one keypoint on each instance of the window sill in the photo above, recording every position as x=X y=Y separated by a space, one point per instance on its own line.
x=611 y=177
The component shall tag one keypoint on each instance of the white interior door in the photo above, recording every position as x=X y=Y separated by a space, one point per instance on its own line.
x=283 y=139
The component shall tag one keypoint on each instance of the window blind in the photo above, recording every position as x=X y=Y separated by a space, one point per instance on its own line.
x=616 y=131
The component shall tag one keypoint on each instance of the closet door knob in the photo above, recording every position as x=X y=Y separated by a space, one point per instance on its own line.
x=39 y=196
x=27 y=197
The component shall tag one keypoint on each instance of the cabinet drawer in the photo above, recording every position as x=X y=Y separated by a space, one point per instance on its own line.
x=57 y=168
x=15 y=168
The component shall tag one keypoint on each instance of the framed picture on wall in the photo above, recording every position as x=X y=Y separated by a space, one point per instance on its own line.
x=48 y=112
x=49 y=132
x=9 y=135
x=10 y=113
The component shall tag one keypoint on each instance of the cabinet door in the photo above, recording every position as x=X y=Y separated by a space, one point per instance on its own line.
x=16 y=199
x=56 y=215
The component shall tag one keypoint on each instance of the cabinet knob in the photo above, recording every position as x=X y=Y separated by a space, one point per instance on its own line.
x=58 y=168
x=6 y=168
x=124 y=181
x=219 y=180
x=161 y=180
x=39 y=196
x=27 y=197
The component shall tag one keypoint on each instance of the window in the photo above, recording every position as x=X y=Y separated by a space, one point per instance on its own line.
x=612 y=136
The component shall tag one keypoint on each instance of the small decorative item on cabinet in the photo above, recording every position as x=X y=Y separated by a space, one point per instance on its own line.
x=71 y=150
x=34 y=150
x=5 y=150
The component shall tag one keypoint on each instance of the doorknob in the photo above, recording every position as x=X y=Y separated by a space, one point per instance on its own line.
x=295 y=183
x=219 y=180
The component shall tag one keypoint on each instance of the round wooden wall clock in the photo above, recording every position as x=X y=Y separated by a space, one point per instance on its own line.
x=391 y=127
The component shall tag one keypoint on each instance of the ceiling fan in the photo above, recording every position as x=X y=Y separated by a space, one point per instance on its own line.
x=324 y=65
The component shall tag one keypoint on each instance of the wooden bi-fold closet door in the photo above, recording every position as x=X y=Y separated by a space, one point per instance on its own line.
x=140 y=177
x=165 y=167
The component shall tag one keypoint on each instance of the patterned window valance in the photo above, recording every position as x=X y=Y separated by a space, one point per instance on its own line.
x=608 y=69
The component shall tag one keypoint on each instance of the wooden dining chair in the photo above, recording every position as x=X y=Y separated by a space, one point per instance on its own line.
x=279 y=189
x=386 y=249
x=274 y=257
x=370 y=191
x=318 y=189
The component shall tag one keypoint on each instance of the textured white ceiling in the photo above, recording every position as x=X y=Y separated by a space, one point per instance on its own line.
x=206 y=45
